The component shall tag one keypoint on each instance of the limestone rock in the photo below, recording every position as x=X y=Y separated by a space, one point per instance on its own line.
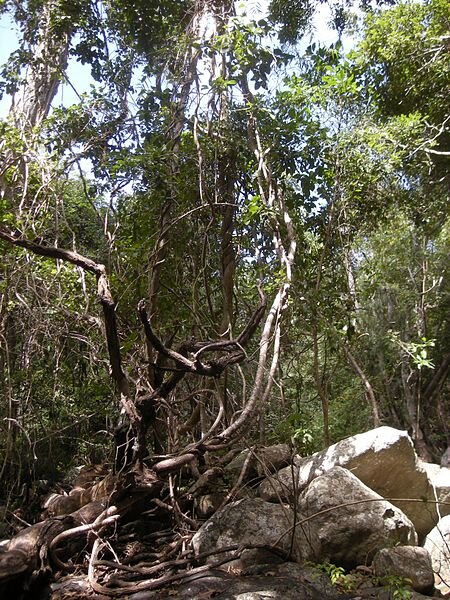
x=383 y=458
x=352 y=522
x=247 y=522
x=437 y=543
x=410 y=562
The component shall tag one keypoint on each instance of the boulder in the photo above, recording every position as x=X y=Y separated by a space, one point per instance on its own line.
x=272 y=458
x=437 y=543
x=383 y=458
x=234 y=468
x=70 y=587
x=287 y=483
x=288 y=581
x=409 y=562
x=349 y=522
x=445 y=458
x=206 y=505
x=263 y=461
x=250 y=522
x=440 y=480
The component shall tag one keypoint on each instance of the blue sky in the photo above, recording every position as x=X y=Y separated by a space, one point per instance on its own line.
x=8 y=37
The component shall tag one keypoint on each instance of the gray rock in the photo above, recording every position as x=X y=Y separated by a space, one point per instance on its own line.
x=271 y=588
x=272 y=458
x=206 y=505
x=437 y=543
x=288 y=581
x=262 y=461
x=70 y=586
x=247 y=459
x=349 y=522
x=383 y=458
x=410 y=562
x=440 y=480
x=249 y=522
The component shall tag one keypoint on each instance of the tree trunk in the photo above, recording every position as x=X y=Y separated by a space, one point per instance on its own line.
x=410 y=390
x=370 y=394
x=48 y=44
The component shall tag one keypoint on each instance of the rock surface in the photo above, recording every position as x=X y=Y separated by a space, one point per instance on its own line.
x=288 y=581
x=208 y=504
x=273 y=458
x=352 y=522
x=440 y=479
x=260 y=463
x=249 y=522
x=410 y=562
x=437 y=543
x=383 y=458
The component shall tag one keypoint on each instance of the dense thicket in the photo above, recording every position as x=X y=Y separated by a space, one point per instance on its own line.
x=280 y=207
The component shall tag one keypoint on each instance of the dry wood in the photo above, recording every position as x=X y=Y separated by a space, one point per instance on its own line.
x=32 y=552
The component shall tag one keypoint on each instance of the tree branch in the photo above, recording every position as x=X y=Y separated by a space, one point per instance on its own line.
x=79 y=260
x=104 y=295
x=234 y=348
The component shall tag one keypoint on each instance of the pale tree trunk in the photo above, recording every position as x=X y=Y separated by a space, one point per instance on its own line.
x=369 y=391
x=31 y=103
x=226 y=196
x=411 y=376
x=317 y=370
x=411 y=384
x=179 y=103
x=48 y=45
x=321 y=387
x=191 y=64
x=226 y=183
x=356 y=366
x=285 y=245
x=209 y=20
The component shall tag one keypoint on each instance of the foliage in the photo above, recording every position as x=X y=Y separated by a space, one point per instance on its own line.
x=202 y=152
x=396 y=586
x=345 y=582
x=404 y=61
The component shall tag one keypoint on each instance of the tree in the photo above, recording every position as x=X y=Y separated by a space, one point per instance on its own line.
x=234 y=234
x=174 y=140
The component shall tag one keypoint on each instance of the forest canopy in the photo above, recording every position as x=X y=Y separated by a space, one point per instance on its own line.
x=239 y=235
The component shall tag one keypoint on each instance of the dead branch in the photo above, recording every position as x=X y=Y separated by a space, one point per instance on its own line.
x=171 y=464
x=233 y=349
x=185 y=575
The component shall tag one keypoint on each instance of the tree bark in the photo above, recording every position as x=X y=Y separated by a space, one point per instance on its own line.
x=31 y=103
x=370 y=394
